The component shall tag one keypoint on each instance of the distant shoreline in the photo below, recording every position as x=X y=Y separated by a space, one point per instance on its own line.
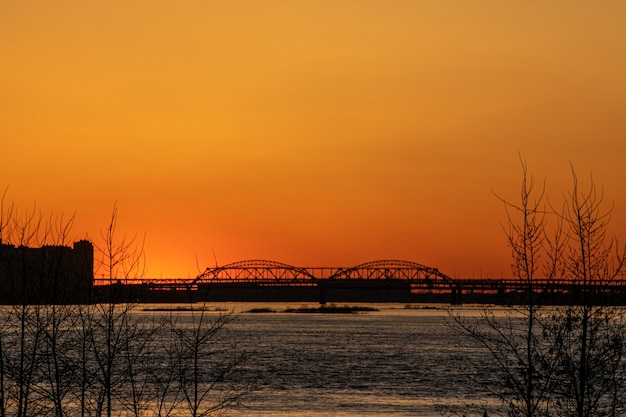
x=331 y=309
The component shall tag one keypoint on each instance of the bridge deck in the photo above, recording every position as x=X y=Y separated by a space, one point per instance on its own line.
x=394 y=275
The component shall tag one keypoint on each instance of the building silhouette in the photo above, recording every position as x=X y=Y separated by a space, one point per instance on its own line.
x=46 y=275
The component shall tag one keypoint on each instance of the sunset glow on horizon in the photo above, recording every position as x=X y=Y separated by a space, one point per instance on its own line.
x=326 y=133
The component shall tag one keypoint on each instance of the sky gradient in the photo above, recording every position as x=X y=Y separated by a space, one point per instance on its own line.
x=315 y=133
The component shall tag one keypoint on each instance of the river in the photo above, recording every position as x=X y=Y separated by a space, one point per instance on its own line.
x=394 y=361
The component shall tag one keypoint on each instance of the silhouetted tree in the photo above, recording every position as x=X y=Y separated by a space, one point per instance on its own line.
x=206 y=367
x=104 y=358
x=588 y=335
x=119 y=257
x=520 y=366
x=562 y=361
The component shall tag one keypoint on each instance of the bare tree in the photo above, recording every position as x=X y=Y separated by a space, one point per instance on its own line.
x=99 y=359
x=31 y=336
x=6 y=215
x=589 y=334
x=206 y=367
x=514 y=338
x=562 y=361
x=119 y=257
x=22 y=367
x=108 y=326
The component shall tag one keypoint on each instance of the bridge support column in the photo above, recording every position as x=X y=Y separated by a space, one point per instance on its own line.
x=501 y=298
x=456 y=295
x=321 y=285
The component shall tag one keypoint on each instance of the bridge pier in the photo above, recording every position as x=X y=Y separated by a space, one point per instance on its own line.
x=456 y=295
x=322 y=286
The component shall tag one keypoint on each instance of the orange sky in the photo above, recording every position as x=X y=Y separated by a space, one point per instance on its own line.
x=315 y=133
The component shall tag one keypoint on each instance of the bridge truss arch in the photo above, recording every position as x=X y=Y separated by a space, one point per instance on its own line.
x=418 y=275
x=265 y=272
x=257 y=271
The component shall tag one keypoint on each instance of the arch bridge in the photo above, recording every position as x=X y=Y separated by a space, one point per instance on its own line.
x=257 y=271
x=271 y=273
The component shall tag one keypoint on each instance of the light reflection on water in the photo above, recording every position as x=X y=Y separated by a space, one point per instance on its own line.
x=395 y=361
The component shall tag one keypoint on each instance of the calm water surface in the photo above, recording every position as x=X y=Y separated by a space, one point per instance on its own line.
x=395 y=361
